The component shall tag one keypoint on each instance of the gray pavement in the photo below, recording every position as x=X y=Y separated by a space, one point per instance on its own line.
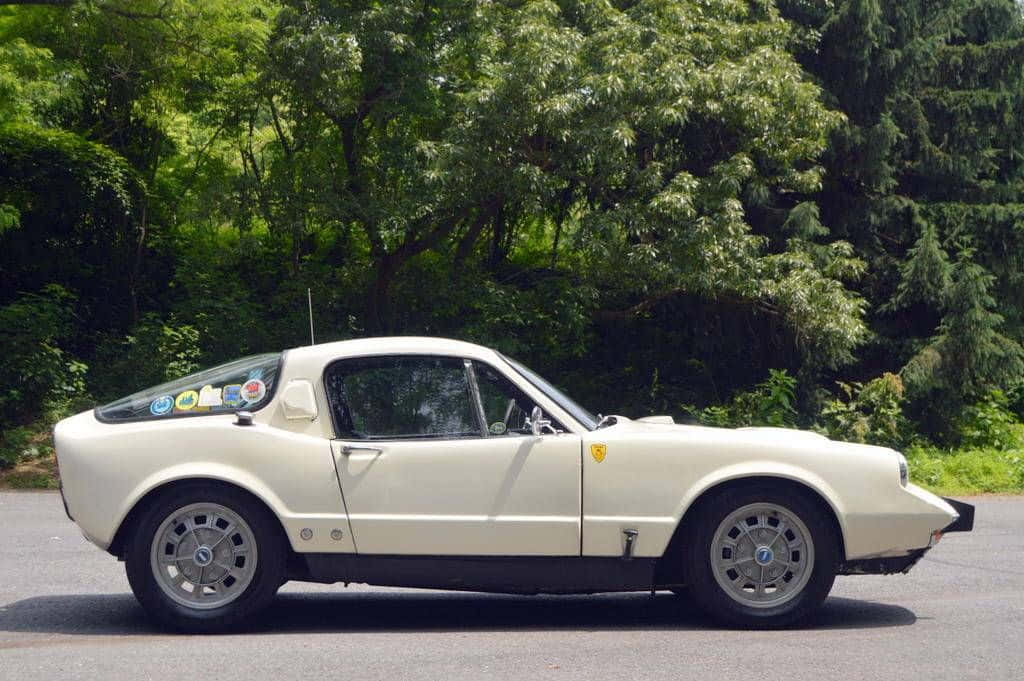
x=66 y=613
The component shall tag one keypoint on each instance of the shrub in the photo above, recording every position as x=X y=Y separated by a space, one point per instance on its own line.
x=989 y=423
x=37 y=376
x=872 y=413
x=770 y=403
x=15 y=443
x=154 y=352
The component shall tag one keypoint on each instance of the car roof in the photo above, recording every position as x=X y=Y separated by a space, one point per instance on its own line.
x=426 y=345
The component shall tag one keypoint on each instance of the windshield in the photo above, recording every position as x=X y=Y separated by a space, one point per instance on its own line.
x=556 y=395
x=243 y=384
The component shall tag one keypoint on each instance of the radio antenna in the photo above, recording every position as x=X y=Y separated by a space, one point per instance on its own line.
x=309 y=299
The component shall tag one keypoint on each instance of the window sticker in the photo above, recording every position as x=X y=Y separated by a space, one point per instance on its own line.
x=186 y=400
x=497 y=428
x=161 y=405
x=217 y=390
x=232 y=395
x=210 y=396
x=254 y=390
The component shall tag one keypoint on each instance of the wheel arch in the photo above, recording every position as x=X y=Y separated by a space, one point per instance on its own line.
x=118 y=544
x=665 y=568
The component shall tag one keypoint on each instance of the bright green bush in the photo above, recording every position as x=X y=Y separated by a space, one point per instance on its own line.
x=154 y=352
x=989 y=423
x=872 y=412
x=770 y=403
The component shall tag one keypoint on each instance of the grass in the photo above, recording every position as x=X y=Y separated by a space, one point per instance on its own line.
x=30 y=464
x=967 y=471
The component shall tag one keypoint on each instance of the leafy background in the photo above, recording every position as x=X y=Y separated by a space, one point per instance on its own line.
x=796 y=213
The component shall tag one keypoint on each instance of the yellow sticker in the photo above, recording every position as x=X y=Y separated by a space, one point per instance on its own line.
x=186 y=400
x=598 y=452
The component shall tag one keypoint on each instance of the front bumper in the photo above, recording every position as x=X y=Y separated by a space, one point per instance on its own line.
x=965 y=521
x=893 y=564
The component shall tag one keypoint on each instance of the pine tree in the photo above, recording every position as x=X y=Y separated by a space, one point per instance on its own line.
x=973 y=354
x=925 y=276
x=930 y=157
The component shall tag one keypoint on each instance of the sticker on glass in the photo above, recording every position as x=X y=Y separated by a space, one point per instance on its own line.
x=187 y=400
x=497 y=428
x=161 y=405
x=254 y=390
x=232 y=395
x=210 y=397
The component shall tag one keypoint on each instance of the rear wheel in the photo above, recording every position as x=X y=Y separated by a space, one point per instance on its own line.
x=205 y=557
x=761 y=557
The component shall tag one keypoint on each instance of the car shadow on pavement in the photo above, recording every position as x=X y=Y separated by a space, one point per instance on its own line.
x=429 y=611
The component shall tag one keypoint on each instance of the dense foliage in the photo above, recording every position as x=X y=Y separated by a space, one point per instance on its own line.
x=799 y=213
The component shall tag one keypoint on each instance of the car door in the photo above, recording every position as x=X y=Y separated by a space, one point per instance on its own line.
x=434 y=461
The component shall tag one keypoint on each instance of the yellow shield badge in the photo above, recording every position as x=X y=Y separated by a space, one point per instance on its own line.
x=598 y=452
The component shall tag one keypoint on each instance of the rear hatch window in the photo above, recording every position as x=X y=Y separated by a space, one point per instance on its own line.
x=246 y=383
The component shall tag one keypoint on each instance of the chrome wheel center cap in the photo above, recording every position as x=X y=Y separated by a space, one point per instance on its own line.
x=763 y=556
x=203 y=556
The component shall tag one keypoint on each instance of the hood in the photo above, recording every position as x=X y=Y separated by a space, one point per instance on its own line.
x=665 y=424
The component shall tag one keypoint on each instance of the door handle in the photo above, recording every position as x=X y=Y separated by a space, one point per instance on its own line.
x=348 y=450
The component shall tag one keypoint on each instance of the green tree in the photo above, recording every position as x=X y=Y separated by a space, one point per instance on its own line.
x=927 y=161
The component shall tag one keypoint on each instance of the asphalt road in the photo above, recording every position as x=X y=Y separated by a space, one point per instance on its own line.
x=66 y=613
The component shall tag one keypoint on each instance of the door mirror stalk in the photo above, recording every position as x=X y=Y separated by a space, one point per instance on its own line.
x=538 y=424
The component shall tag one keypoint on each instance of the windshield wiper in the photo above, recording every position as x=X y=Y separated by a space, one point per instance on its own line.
x=603 y=421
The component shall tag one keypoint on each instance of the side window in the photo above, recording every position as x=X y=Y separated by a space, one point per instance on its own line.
x=400 y=397
x=506 y=407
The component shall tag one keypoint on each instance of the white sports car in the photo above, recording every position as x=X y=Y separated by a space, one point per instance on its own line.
x=424 y=462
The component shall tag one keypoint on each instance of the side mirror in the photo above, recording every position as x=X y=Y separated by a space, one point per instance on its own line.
x=299 y=401
x=538 y=423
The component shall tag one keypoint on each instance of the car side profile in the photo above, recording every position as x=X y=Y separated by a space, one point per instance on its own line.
x=434 y=463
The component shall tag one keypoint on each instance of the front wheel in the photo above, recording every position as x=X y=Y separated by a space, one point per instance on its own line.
x=204 y=558
x=761 y=557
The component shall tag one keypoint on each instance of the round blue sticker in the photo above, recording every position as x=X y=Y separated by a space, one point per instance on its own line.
x=161 y=405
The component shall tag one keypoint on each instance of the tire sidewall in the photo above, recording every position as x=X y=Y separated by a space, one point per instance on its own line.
x=267 y=577
x=710 y=595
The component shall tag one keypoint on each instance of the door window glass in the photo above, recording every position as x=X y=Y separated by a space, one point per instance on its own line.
x=400 y=397
x=506 y=407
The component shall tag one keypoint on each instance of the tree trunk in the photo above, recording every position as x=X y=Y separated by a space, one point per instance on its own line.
x=379 y=312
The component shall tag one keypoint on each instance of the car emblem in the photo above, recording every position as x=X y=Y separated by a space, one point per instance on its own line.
x=764 y=555
x=598 y=452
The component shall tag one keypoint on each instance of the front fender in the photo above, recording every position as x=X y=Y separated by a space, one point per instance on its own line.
x=764 y=469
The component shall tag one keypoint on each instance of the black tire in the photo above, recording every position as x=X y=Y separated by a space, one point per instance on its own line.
x=710 y=596
x=266 y=577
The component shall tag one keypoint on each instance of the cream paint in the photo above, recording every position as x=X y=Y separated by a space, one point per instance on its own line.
x=106 y=468
x=512 y=496
x=674 y=464
x=484 y=496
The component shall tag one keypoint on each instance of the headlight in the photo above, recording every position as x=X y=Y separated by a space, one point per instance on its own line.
x=904 y=470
